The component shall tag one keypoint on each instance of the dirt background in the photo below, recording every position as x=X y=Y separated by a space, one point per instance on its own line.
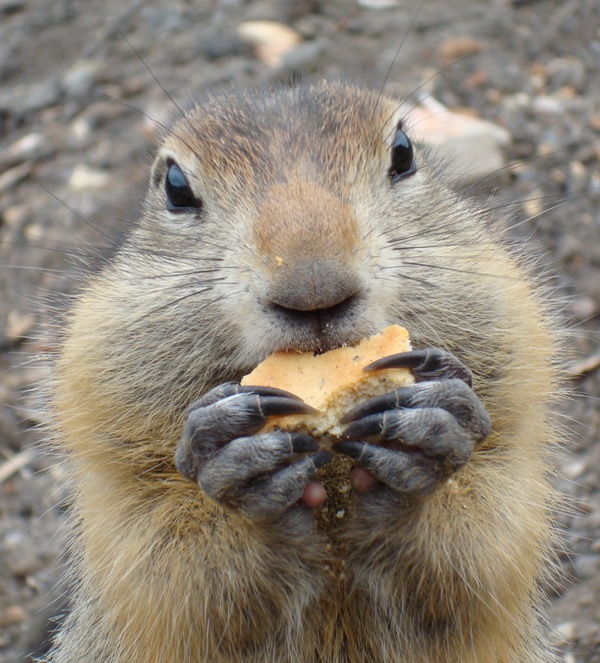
x=76 y=134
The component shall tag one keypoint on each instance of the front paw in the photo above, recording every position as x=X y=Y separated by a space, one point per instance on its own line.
x=259 y=475
x=423 y=433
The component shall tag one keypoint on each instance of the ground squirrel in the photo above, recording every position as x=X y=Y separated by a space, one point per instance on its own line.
x=304 y=218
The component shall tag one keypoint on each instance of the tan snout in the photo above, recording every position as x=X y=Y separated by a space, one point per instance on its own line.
x=307 y=241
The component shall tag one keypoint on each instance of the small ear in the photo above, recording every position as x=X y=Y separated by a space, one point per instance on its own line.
x=158 y=171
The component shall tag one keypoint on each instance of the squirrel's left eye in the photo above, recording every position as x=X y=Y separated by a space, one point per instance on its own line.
x=180 y=197
x=403 y=163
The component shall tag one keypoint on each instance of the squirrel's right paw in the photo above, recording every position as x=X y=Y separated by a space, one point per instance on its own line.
x=260 y=475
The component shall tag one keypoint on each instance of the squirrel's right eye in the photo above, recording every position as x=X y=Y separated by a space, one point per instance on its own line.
x=180 y=197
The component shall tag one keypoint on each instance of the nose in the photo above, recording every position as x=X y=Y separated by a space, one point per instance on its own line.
x=314 y=284
x=307 y=239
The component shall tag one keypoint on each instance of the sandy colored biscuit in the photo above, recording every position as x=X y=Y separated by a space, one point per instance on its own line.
x=332 y=382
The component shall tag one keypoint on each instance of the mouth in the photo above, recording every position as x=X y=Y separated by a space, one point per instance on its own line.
x=320 y=330
x=320 y=316
x=269 y=327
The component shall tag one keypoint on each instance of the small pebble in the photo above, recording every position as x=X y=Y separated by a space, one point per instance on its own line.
x=564 y=633
x=13 y=614
x=456 y=48
x=28 y=147
x=14 y=216
x=379 y=4
x=84 y=178
x=81 y=78
x=11 y=177
x=18 y=325
x=271 y=40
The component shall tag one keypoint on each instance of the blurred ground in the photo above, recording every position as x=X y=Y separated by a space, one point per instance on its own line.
x=75 y=137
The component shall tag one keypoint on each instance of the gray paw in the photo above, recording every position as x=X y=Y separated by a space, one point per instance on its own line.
x=259 y=475
x=428 y=430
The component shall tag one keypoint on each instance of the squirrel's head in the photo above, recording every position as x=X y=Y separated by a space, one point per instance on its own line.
x=284 y=220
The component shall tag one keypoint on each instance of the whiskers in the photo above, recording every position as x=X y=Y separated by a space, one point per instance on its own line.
x=471 y=272
x=201 y=292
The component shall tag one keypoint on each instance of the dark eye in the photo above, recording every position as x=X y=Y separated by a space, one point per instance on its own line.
x=403 y=163
x=180 y=197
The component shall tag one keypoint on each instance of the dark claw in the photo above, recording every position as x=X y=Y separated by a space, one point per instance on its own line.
x=430 y=364
x=321 y=458
x=352 y=449
x=233 y=389
x=301 y=443
x=265 y=391
x=374 y=405
x=412 y=359
x=275 y=405
x=364 y=427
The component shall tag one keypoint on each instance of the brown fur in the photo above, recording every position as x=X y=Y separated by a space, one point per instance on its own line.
x=165 y=575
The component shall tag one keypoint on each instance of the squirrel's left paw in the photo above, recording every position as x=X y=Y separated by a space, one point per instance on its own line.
x=421 y=434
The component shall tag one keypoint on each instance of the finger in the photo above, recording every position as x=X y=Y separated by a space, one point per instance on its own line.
x=247 y=458
x=238 y=415
x=434 y=431
x=451 y=395
x=209 y=428
x=429 y=364
x=402 y=471
x=282 y=489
